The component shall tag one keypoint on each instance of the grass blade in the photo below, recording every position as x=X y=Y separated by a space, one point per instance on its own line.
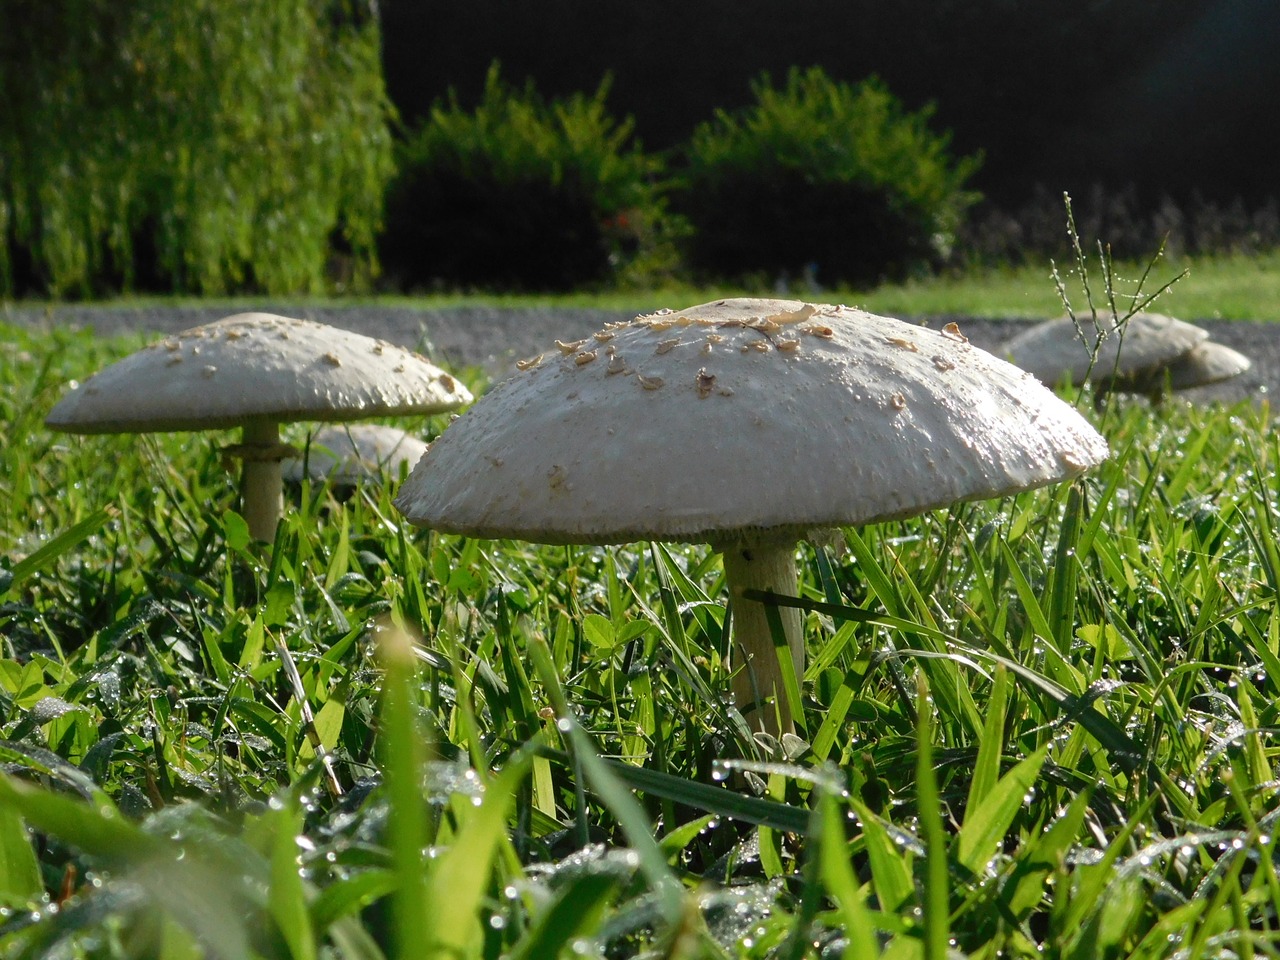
x=937 y=889
x=55 y=548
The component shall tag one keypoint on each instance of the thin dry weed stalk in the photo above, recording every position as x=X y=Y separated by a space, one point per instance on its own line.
x=1113 y=321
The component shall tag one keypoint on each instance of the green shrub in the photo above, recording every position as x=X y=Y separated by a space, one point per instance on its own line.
x=190 y=145
x=825 y=175
x=523 y=194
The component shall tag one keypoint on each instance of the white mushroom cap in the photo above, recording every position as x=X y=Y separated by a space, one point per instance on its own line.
x=1054 y=350
x=1207 y=362
x=255 y=366
x=742 y=419
x=351 y=453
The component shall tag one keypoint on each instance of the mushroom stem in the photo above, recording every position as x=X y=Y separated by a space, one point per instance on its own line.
x=757 y=682
x=261 y=483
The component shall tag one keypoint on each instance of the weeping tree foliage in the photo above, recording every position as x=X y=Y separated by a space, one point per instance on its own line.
x=189 y=145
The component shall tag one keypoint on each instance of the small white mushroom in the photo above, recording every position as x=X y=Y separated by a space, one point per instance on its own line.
x=1078 y=350
x=256 y=371
x=351 y=453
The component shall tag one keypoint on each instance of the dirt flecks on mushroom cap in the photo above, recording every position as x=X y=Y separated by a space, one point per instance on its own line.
x=814 y=411
x=256 y=366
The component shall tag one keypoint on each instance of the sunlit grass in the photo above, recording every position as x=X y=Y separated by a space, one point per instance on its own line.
x=1226 y=287
x=534 y=751
x=1223 y=287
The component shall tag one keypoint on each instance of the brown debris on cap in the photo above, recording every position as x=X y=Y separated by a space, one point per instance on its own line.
x=847 y=428
x=255 y=366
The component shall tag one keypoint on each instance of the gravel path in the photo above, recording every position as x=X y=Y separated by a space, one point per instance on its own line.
x=495 y=337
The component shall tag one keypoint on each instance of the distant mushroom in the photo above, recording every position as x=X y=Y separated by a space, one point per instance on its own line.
x=1148 y=354
x=354 y=452
x=256 y=371
x=1206 y=363
x=749 y=425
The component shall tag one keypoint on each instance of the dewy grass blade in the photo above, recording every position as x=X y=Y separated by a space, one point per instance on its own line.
x=20 y=883
x=841 y=882
x=937 y=887
x=55 y=548
x=635 y=824
x=787 y=667
x=287 y=897
x=713 y=799
x=404 y=762
x=837 y=709
x=1035 y=862
x=630 y=816
x=986 y=768
x=987 y=823
x=891 y=874
x=308 y=720
x=459 y=882
x=576 y=911
x=1065 y=573
x=203 y=887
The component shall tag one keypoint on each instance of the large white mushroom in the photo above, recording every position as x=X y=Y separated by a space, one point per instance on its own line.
x=255 y=371
x=746 y=424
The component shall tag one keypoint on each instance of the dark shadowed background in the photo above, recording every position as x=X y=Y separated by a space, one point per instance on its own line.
x=1170 y=97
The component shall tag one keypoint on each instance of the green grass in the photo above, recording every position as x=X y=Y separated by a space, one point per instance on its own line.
x=1044 y=725
x=1224 y=287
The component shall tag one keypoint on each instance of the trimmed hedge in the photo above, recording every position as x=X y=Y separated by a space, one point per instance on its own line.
x=523 y=194
x=824 y=177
